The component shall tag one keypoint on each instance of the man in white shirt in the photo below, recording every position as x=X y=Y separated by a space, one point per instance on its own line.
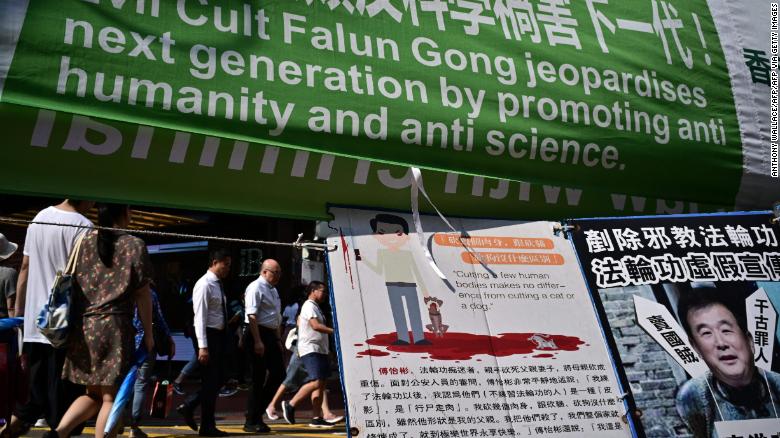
x=313 y=350
x=263 y=309
x=209 y=307
x=46 y=251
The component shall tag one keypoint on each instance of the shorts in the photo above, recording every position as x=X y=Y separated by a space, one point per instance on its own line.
x=296 y=374
x=317 y=366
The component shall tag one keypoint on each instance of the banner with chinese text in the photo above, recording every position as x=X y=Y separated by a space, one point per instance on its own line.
x=592 y=94
x=691 y=303
x=495 y=348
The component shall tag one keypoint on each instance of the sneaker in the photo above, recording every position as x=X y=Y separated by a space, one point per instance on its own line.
x=288 y=411
x=137 y=433
x=227 y=391
x=243 y=387
x=178 y=389
x=319 y=422
x=335 y=420
x=41 y=423
x=271 y=414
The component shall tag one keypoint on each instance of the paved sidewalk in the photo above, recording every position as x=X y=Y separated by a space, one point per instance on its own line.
x=234 y=428
x=230 y=418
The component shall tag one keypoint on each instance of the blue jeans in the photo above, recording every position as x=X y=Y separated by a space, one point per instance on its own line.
x=190 y=367
x=397 y=292
x=139 y=390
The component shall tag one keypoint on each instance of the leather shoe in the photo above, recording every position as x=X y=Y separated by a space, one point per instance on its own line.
x=13 y=430
x=189 y=419
x=213 y=432
x=257 y=428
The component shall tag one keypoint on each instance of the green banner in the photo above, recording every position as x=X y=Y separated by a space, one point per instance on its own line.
x=49 y=153
x=588 y=93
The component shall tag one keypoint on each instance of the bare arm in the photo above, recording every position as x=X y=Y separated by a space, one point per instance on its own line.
x=9 y=304
x=143 y=299
x=21 y=288
x=259 y=347
x=10 y=297
x=316 y=325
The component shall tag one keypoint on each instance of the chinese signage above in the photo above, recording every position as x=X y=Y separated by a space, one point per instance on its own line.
x=488 y=88
x=690 y=302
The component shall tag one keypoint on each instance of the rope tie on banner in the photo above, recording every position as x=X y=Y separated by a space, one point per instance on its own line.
x=417 y=186
x=298 y=244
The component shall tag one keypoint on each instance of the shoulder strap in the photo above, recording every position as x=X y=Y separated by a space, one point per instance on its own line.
x=70 y=269
x=317 y=306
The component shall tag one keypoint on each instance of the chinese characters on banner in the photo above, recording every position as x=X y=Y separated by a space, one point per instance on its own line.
x=568 y=94
x=659 y=323
x=690 y=301
x=495 y=350
x=761 y=319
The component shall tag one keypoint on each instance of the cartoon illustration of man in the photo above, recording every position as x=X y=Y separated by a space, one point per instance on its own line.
x=401 y=275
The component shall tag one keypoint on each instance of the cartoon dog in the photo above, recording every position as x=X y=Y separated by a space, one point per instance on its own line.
x=436 y=326
x=543 y=342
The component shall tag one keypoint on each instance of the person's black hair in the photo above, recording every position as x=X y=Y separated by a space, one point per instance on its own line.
x=108 y=216
x=314 y=285
x=218 y=255
x=702 y=297
x=76 y=203
x=389 y=219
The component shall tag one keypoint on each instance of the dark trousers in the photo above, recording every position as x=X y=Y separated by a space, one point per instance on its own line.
x=212 y=376
x=263 y=389
x=10 y=383
x=50 y=395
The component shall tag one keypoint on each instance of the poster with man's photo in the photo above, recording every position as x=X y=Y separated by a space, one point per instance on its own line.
x=691 y=305
x=485 y=331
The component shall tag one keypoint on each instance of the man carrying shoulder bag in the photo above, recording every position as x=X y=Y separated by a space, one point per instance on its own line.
x=46 y=251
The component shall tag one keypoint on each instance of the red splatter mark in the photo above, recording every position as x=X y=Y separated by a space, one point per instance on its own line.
x=463 y=346
x=543 y=355
x=371 y=352
x=358 y=345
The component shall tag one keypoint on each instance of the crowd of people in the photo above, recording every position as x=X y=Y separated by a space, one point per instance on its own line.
x=115 y=311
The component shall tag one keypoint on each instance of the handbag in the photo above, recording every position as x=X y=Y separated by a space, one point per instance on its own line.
x=162 y=398
x=54 y=320
x=292 y=338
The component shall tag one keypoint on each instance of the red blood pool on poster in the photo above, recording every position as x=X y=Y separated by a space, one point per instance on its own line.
x=464 y=346
x=371 y=352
